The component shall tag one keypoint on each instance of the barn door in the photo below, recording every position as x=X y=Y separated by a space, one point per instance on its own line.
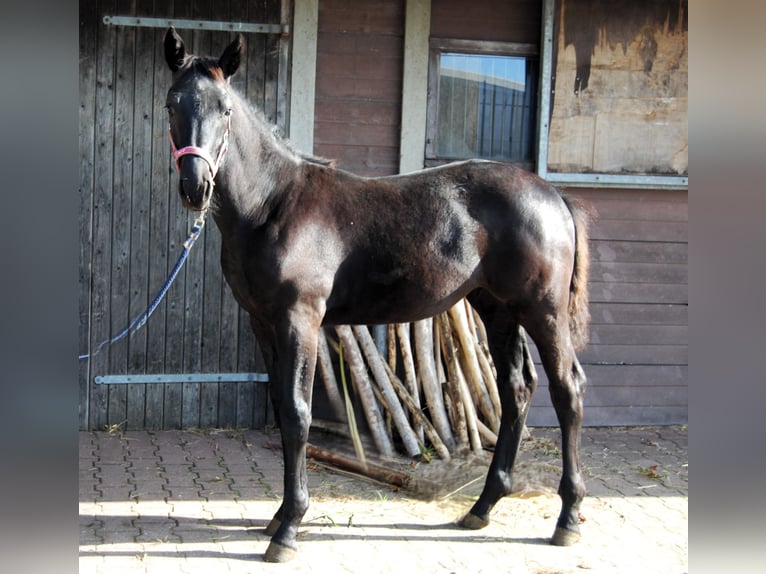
x=132 y=223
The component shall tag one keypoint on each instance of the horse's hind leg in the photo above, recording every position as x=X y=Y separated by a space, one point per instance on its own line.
x=566 y=382
x=516 y=381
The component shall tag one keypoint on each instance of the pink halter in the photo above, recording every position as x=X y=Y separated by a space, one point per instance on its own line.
x=213 y=164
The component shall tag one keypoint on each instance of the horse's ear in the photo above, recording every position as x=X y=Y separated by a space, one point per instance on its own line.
x=175 y=50
x=231 y=57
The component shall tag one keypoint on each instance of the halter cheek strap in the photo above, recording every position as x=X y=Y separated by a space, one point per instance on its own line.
x=213 y=163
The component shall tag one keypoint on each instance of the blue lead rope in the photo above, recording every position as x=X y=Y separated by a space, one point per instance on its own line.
x=140 y=321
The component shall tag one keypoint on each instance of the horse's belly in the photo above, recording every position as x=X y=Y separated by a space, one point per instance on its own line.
x=381 y=298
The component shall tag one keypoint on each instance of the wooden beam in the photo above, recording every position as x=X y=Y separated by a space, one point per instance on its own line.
x=417 y=29
x=303 y=74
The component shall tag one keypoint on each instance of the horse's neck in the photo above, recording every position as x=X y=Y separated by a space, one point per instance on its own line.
x=255 y=176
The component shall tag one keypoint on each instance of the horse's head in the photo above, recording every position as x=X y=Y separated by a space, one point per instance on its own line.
x=200 y=113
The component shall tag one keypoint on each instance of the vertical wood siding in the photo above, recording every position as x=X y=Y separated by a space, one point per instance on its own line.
x=132 y=226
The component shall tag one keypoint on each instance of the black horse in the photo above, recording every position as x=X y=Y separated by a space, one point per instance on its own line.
x=305 y=245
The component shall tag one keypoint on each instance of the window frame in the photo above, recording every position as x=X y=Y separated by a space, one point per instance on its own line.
x=439 y=46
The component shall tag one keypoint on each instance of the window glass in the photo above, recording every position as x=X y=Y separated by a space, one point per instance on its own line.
x=487 y=106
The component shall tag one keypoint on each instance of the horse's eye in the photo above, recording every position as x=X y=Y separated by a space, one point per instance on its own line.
x=227 y=112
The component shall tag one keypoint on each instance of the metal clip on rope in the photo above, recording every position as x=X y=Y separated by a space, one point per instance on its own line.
x=140 y=321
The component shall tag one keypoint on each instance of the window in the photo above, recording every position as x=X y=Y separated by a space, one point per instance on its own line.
x=482 y=101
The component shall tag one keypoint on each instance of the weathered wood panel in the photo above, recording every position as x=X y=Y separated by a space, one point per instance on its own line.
x=621 y=95
x=359 y=81
x=87 y=152
x=133 y=225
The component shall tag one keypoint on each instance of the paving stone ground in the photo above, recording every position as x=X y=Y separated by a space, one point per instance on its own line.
x=197 y=502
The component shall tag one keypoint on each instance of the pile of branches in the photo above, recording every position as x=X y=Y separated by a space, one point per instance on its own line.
x=433 y=391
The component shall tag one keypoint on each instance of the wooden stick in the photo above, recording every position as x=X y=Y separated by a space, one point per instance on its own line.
x=402 y=331
x=371 y=470
x=456 y=378
x=470 y=364
x=378 y=367
x=364 y=390
x=441 y=374
x=480 y=327
x=391 y=340
x=490 y=438
x=483 y=356
x=425 y=424
x=452 y=394
x=327 y=374
x=424 y=351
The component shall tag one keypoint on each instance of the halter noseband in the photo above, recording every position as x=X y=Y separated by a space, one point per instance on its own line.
x=213 y=163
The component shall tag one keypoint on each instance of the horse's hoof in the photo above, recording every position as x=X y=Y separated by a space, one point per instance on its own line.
x=473 y=522
x=273 y=526
x=278 y=553
x=564 y=537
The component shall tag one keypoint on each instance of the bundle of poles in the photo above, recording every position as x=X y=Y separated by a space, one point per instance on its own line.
x=433 y=391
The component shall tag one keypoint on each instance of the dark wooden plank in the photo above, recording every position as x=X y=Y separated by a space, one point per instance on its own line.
x=253 y=71
x=213 y=277
x=140 y=208
x=122 y=191
x=359 y=75
x=624 y=395
x=158 y=263
x=363 y=17
x=199 y=43
x=614 y=416
x=603 y=292
x=646 y=354
x=102 y=214
x=638 y=314
x=262 y=412
x=87 y=144
x=647 y=204
x=246 y=363
x=640 y=230
x=636 y=377
x=271 y=97
x=498 y=20
x=348 y=111
x=639 y=272
x=178 y=227
x=616 y=251
x=636 y=354
x=639 y=334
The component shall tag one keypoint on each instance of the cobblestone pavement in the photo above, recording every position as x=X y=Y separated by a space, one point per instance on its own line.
x=188 y=502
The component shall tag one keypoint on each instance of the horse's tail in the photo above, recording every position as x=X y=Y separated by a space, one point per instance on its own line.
x=579 y=313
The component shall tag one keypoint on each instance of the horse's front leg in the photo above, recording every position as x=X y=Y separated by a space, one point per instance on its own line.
x=296 y=348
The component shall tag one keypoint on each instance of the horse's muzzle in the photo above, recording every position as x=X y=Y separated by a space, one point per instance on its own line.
x=196 y=183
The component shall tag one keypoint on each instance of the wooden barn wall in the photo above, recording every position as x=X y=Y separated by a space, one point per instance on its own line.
x=360 y=49
x=132 y=226
x=489 y=20
x=637 y=358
